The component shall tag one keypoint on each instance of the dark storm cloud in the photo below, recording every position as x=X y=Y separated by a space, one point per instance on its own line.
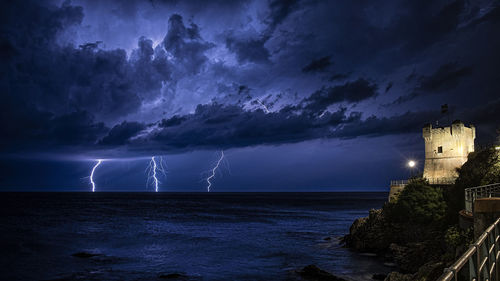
x=37 y=24
x=351 y=92
x=32 y=83
x=411 y=76
x=53 y=90
x=280 y=9
x=402 y=99
x=485 y=117
x=121 y=133
x=388 y=87
x=252 y=48
x=175 y=120
x=373 y=126
x=224 y=126
x=446 y=77
x=218 y=126
x=60 y=94
x=150 y=67
x=41 y=130
x=62 y=79
x=318 y=65
x=248 y=49
x=186 y=44
x=90 y=46
x=432 y=25
x=339 y=76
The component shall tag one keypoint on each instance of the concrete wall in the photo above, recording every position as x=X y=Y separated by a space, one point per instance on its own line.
x=394 y=191
x=486 y=211
x=446 y=148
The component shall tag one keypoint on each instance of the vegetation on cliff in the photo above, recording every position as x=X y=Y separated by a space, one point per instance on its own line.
x=481 y=168
x=419 y=231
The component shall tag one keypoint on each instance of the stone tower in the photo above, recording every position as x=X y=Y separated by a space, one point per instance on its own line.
x=445 y=150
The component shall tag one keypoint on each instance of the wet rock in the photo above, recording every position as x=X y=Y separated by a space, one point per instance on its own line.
x=173 y=276
x=430 y=271
x=314 y=273
x=370 y=233
x=396 y=276
x=379 y=276
x=85 y=255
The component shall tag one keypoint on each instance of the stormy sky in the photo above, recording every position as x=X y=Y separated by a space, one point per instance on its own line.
x=301 y=95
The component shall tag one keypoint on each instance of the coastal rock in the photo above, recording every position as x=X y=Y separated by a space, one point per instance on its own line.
x=379 y=276
x=430 y=271
x=369 y=233
x=314 y=273
x=411 y=257
x=173 y=276
x=396 y=276
x=85 y=255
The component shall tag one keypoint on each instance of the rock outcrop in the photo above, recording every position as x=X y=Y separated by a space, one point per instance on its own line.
x=314 y=273
x=415 y=260
x=369 y=233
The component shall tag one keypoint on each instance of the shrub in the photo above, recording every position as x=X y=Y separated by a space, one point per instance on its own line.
x=482 y=167
x=457 y=241
x=418 y=203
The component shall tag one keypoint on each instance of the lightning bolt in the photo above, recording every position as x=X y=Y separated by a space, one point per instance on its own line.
x=153 y=169
x=323 y=114
x=214 y=170
x=264 y=106
x=99 y=161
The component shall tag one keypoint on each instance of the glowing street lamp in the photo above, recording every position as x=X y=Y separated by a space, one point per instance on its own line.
x=411 y=164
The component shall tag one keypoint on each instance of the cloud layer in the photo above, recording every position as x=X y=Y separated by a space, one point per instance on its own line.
x=240 y=74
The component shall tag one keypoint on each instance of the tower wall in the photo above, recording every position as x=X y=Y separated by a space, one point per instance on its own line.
x=446 y=149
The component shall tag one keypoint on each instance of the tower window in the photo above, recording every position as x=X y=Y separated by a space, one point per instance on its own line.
x=440 y=149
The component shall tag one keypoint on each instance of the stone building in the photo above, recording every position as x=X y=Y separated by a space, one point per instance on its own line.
x=446 y=149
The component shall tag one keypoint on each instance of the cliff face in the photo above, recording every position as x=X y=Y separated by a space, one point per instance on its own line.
x=416 y=260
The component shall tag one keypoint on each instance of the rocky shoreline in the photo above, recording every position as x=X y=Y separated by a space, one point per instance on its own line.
x=414 y=260
x=419 y=231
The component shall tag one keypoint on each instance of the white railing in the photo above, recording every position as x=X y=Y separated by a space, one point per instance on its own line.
x=399 y=182
x=484 y=191
x=443 y=181
x=479 y=262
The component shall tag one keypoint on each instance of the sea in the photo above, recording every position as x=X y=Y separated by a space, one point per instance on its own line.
x=181 y=236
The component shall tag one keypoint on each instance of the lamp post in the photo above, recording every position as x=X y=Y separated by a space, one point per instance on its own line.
x=411 y=164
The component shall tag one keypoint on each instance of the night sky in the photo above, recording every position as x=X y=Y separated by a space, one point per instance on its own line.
x=300 y=95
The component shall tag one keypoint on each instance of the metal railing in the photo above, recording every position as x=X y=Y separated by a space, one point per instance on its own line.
x=439 y=181
x=483 y=191
x=399 y=182
x=479 y=262
x=433 y=181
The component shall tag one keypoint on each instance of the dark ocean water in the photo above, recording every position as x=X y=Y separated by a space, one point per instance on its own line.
x=216 y=236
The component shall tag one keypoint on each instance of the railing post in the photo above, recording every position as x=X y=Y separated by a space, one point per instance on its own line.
x=486 y=249
x=496 y=241
x=478 y=262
